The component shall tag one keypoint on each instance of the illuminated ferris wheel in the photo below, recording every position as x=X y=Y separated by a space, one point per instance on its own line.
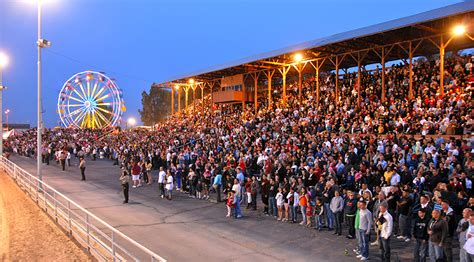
x=90 y=100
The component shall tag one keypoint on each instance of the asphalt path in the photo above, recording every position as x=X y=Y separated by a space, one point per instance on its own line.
x=186 y=229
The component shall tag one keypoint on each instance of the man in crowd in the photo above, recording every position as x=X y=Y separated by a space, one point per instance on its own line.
x=385 y=226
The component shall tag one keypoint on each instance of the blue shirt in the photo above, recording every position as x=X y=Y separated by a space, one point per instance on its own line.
x=240 y=177
x=218 y=180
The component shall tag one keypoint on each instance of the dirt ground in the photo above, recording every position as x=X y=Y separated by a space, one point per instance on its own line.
x=27 y=234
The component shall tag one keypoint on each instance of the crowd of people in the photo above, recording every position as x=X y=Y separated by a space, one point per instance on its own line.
x=400 y=168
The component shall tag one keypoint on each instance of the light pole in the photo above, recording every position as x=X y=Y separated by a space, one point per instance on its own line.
x=41 y=43
x=3 y=64
x=6 y=115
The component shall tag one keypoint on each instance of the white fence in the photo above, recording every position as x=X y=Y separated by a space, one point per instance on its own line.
x=102 y=240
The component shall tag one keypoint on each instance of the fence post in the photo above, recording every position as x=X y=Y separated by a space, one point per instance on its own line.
x=87 y=230
x=55 y=207
x=69 y=217
x=113 y=246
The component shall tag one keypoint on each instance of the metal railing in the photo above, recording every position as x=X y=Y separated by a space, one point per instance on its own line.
x=103 y=241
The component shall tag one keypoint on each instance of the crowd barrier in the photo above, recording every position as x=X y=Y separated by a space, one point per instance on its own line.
x=103 y=241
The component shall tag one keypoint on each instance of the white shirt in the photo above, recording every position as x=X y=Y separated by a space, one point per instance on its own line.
x=387 y=227
x=169 y=183
x=279 y=199
x=236 y=188
x=161 y=177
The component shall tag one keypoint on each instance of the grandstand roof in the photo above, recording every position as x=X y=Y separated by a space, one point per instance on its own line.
x=434 y=23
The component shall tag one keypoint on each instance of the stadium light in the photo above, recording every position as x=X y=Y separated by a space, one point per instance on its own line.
x=459 y=30
x=3 y=60
x=191 y=81
x=298 y=57
x=131 y=121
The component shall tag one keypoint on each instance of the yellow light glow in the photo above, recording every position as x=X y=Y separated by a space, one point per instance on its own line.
x=176 y=87
x=191 y=81
x=131 y=121
x=298 y=57
x=459 y=30
x=3 y=60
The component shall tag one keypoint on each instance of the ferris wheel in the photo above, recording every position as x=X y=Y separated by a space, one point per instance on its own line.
x=90 y=100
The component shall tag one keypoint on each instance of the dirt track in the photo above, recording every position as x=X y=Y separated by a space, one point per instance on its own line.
x=27 y=234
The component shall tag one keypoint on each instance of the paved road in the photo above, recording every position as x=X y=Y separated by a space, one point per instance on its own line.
x=188 y=229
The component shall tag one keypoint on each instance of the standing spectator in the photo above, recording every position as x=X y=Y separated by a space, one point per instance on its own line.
x=280 y=201
x=292 y=204
x=385 y=225
x=169 y=185
x=337 y=206
x=161 y=182
x=68 y=158
x=350 y=209
x=451 y=221
x=237 y=197
x=265 y=191
x=303 y=203
x=136 y=175
x=82 y=166
x=273 y=190
x=217 y=184
x=404 y=204
x=376 y=209
x=62 y=159
x=462 y=228
x=124 y=181
x=420 y=233
x=230 y=203
x=363 y=225
x=438 y=232
x=254 y=192
x=148 y=167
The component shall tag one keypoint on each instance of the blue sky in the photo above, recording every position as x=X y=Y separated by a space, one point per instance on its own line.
x=138 y=42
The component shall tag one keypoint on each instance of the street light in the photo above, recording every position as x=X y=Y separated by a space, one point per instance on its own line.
x=41 y=43
x=459 y=30
x=3 y=64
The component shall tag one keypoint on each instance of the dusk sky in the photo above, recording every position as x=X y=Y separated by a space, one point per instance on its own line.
x=139 y=42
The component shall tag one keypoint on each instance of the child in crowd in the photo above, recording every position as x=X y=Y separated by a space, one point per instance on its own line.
x=279 y=202
x=230 y=202
x=318 y=214
x=199 y=189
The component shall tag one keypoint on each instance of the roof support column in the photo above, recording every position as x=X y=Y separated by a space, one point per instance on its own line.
x=300 y=69
x=410 y=70
x=358 y=81
x=317 y=67
x=179 y=98
x=337 y=80
x=172 y=100
x=269 y=75
x=411 y=51
x=442 y=47
x=202 y=100
x=211 y=86
x=336 y=65
x=186 y=92
x=255 y=90
x=194 y=100
x=383 y=75
x=359 y=60
x=244 y=94
x=283 y=71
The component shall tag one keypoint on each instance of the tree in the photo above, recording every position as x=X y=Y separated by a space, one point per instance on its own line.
x=155 y=105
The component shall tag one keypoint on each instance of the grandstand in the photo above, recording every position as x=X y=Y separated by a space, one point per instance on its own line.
x=438 y=31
